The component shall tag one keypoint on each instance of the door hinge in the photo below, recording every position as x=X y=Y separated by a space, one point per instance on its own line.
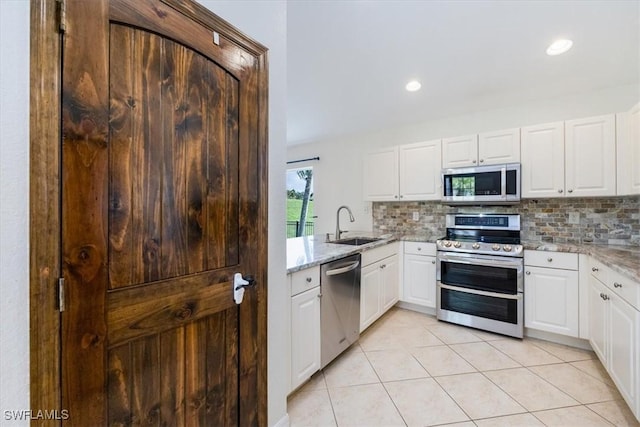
x=61 y=304
x=62 y=15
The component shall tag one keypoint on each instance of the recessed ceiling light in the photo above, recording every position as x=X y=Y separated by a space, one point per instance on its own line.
x=559 y=46
x=413 y=86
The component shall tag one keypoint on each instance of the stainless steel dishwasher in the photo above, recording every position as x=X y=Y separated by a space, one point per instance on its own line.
x=339 y=306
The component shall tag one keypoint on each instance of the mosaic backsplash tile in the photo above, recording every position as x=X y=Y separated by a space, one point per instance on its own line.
x=609 y=220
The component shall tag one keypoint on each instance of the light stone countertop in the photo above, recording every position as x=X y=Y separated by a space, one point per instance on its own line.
x=305 y=252
x=309 y=251
x=623 y=259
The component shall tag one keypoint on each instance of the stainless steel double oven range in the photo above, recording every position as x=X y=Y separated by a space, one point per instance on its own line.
x=479 y=272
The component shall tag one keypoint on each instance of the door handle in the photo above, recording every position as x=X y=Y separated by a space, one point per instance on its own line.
x=239 y=284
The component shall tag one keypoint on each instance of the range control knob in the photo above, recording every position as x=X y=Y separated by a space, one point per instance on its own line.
x=495 y=247
x=507 y=248
x=457 y=244
x=447 y=243
x=476 y=246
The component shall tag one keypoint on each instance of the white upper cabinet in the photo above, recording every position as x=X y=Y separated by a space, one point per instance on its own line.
x=420 y=171
x=381 y=175
x=542 y=166
x=628 y=151
x=489 y=148
x=590 y=156
x=406 y=172
x=460 y=151
x=499 y=147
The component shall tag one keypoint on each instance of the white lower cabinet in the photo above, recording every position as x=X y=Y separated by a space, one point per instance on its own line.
x=614 y=331
x=419 y=275
x=304 y=288
x=379 y=289
x=551 y=300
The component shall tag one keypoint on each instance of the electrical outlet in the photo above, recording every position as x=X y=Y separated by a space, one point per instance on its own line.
x=416 y=216
x=574 y=218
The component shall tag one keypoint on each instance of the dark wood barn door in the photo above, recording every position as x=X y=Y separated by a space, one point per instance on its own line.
x=163 y=201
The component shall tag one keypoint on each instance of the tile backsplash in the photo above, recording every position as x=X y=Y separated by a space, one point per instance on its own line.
x=602 y=220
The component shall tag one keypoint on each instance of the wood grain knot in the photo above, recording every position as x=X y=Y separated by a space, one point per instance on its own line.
x=185 y=312
x=90 y=340
x=151 y=248
x=85 y=261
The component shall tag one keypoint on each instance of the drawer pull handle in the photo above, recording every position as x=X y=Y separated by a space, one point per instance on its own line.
x=549 y=259
x=594 y=269
x=604 y=296
x=617 y=285
x=309 y=279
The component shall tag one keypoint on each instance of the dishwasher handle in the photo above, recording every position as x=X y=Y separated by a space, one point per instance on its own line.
x=342 y=270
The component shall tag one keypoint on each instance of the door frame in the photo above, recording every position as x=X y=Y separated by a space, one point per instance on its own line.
x=45 y=200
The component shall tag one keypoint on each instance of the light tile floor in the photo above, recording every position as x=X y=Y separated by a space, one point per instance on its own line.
x=408 y=369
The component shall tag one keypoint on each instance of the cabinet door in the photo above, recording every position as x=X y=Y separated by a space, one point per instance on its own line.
x=305 y=336
x=542 y=167
x=420 y=167
x=370 y=290
x=628 y=151
x=380 y=178
x=623 y=359
x=551 y=300
x=499 y=147
x=598 y=322
x=460 y=151
x=390 y=285
x=590 y=150
x=420 y=280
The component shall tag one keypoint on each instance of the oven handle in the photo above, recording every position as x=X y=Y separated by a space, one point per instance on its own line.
x=479 y=260
x=503 y=182
x=482 y=293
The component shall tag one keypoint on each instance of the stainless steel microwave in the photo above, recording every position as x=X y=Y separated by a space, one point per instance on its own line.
x=482 y=185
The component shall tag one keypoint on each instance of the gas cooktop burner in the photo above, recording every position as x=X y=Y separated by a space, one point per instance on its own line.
x=491 y=234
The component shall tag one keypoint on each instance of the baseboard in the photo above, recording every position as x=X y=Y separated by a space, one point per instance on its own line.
x=558 y=339
x=416 y=307
x=282 y=422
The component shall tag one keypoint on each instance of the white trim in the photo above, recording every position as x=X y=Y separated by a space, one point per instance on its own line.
x=282 y=422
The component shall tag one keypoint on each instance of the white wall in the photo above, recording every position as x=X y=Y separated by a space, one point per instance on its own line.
x=14 y=208
x=338 y=173
x=264 y=21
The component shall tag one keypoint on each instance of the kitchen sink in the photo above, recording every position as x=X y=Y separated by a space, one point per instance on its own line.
x=356 y=241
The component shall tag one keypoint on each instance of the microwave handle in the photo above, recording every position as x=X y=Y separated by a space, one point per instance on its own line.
x=503 y=182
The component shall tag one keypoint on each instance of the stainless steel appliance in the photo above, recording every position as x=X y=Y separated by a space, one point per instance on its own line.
x=339 y=306
x=482 y=185
x=479 y=271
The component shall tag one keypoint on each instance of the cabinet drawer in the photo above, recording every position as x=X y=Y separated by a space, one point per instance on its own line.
x=376 y=254
x=305 y=279
x=563 y=260
x=420 y=248
x=625 y=287
x=598 y=270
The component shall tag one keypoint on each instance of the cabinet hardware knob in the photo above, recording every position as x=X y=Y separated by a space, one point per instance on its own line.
x=594 y=269
x=570 y=191
x=433 y=262
x=309 y=279
x=395 y=196
x=474 y=162
x=383 y=266
x=401 y=196
x=560 y=190
x=528 y=273
x=419 y=248
x=320 y=295
x=617 y=285
x=481 y=160
x=549 y=259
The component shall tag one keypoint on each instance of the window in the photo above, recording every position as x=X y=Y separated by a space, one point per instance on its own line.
x=300 y=202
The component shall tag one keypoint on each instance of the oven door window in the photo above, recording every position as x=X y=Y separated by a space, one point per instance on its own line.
x=480 y=277
x=500 y=309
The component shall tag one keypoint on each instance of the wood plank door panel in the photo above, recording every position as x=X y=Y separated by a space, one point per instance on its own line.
x=163 y=200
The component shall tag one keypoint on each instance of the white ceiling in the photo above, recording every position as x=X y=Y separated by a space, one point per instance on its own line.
x=348 y=61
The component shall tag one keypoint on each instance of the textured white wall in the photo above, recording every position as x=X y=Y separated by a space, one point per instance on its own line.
x=338 y=174
x=265 y=21
x=14 y=208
